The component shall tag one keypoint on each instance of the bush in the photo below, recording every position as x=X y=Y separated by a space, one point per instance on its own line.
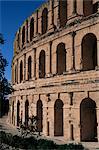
x=31 y=143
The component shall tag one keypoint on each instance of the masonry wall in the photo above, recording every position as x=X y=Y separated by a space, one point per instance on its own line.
x=73 y=85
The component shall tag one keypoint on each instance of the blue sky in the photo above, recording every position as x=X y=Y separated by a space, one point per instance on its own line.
x=12 y=15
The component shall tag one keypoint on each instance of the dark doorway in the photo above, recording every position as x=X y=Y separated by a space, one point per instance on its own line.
x=18 y=113
x=58 y=118
x=39 y=115
x=88 y=120
x=26 y=112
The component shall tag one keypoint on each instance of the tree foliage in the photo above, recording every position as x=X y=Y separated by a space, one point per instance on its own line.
x=5 y=86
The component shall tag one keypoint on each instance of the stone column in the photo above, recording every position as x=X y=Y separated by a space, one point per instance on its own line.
x=56 y=13
x=29 y=29
x=51 y=16
x=73 y=50
x=48 y=60
x=17 y=71
x=24 y=67
x=23 y=103
x=20 y=38
x=34 y=63
x=39 y=22
x=78 y=57
x=98 y=54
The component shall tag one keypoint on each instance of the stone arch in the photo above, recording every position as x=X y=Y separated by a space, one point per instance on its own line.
x=26 y=112
x=29 y=67
x=39 y=116
x=88 y=120
x=23 y=35
x=87 y=7
x=42 y=64
x=21 y=71
x=58 y=118
x=44 y=20
x=61 y=58
x=31 y=28
x=18 y=113
x=63 y=12
x=89 y=52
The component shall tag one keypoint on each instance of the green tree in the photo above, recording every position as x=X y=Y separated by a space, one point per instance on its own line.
x=5 y=86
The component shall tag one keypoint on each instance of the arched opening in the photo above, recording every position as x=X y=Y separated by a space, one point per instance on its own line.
x=29 y=67
x=21 y=71
x=44 y=20
x=88 y=120
x=39 y=116
x=42 y=64
x=61 y=58
x=63 y=12
x=89 y=52
x=26 y=112
x=18 y=113
x=13 y=112
x=87 y=7
x=31 y=29
x=23 y=35
x=58 y=118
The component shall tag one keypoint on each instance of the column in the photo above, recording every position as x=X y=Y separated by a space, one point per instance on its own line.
x=34 y=63
x=48 y=59
x=23 y=103
x=73 y=50
x=51 y=16
x=24 y=67
x=39 y=22
x=78 y=57
x=20 y=38
x=29 y=29
x=17 y=71
x=98 y=54
x=56 y=13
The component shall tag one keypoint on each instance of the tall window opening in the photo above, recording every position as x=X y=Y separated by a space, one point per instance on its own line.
x=58 y=118
x=44 y=20
x=21 y=71
x=29 y=67
x=42 y=64
x=89 y=52
x=23 y=35
x=62 y=12
x=18 y=113
x=31 y=29
x=26 y=112
x=61 y=58
x=87 y=7
x=39 y=115
x=13 y=112
x=88 y=120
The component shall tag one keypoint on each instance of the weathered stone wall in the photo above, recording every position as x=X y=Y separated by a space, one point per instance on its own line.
x=74 y=84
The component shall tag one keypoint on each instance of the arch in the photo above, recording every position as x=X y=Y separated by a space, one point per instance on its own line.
x=61 y=58
x=58 y=118
x=44 y=20
x=29 y=67
x=26 y=112
x=62 y=12
x=31 y=28
x=18 y=113
x=23 y=35
x=21 y=71
x=87 y=7
x=42 y=64
x=89 y=52
x=88 y=120
x=39 y=116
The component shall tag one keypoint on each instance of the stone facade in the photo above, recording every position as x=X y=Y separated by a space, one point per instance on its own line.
x=55 y=70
